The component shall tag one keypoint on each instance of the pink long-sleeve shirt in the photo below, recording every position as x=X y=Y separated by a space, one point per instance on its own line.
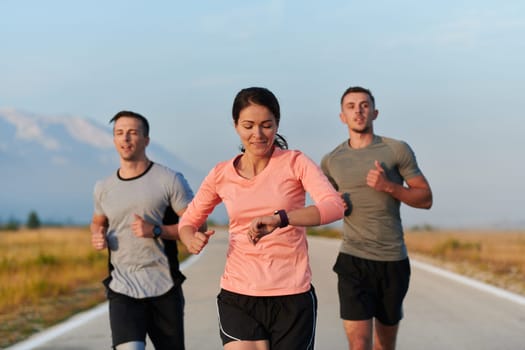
x=278 y=264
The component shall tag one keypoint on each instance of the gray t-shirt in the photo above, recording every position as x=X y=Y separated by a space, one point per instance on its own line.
x=140 y=265
x=373 y=230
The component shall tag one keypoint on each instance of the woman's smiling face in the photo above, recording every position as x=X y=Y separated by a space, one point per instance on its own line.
x=257 y=128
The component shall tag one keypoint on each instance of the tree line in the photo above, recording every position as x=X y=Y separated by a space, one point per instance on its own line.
x=32 y=222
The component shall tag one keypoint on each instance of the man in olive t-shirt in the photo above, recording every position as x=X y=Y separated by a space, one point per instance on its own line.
x=374 y=174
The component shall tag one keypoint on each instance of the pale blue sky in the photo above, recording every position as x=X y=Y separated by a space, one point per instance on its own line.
x=448 y=78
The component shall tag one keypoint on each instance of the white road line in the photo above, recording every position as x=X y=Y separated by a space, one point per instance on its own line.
x=77 y=320
x=56 y=331
x=519 y=299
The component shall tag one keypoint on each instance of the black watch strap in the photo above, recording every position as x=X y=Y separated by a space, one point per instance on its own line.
x=283 y=217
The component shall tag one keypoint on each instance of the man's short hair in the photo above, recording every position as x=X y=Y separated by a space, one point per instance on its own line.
x=358 y=89
x=130 y=114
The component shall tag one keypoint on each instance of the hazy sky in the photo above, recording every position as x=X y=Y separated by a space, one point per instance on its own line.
x=448 y=77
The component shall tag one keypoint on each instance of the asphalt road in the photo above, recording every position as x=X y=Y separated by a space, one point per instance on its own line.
x=440 y=312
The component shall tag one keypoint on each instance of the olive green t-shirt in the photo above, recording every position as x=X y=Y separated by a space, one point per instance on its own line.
x=373 y=229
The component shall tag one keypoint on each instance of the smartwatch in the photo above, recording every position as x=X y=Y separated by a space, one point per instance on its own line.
x=283 y=217
x=157 y=231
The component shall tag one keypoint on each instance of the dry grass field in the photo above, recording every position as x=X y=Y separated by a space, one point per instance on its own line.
x=46 y=275
x=494 y=257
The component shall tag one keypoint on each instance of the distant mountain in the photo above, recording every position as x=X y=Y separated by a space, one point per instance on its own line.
x=50 y=164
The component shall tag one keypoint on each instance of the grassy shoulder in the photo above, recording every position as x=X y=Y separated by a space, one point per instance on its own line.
x=491 y=256
x=46 y=276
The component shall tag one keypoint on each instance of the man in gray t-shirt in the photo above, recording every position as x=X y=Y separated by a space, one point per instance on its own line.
x=372 y=266
x=135 y=217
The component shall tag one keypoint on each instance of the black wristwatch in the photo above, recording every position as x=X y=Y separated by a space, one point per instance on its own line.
x=157 y=231
x=283 y=217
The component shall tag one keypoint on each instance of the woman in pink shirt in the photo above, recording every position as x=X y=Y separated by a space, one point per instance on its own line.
x=266 y=299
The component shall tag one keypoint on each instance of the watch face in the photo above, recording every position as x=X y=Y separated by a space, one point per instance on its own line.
x=157 y=230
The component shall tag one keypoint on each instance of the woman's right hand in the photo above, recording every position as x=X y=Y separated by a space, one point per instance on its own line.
x=262 y=226
x=197 y=241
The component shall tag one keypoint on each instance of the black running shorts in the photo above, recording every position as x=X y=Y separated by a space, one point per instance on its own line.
x=287 y=322
x=369 y=288
x=161 y=318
